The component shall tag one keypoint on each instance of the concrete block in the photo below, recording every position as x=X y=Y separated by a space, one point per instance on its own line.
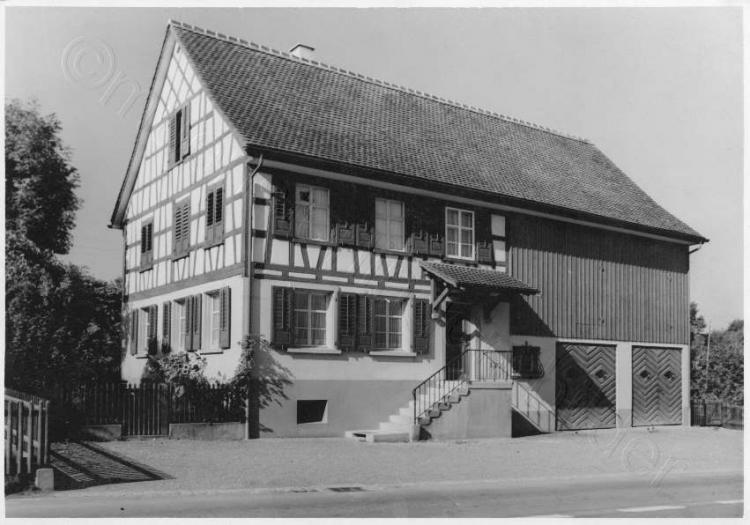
x=207 y=431
x=45 y=479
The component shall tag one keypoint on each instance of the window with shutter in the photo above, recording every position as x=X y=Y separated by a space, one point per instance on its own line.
x=422 y=325
x=133 y=321
x=173 y=144
x=147 y=245
x=179 y=135
x=215 y=215
x=347 y=322
x=387 y=317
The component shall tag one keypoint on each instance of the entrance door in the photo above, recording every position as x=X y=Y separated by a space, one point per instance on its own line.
x=657 y=386
x=585 y=391
x=455 y=338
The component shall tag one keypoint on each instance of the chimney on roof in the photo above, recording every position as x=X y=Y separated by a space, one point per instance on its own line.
x=302 y=51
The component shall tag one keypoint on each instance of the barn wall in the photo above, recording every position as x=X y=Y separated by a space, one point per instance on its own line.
x=597 y=284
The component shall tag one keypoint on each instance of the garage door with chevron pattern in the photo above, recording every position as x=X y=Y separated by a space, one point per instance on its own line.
x=585 y=391
x=657 y=386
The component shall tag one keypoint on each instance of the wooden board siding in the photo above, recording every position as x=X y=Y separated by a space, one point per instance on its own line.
x=597 y=284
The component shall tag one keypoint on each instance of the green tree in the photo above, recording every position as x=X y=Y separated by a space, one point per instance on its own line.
x=61 y=324
x=40 y=183
x=717 y=372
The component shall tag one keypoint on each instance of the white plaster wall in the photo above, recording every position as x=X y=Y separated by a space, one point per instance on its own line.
x=219 y=364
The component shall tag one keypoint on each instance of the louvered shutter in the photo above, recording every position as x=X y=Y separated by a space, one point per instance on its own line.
x=177 y=229
x=186 y=227
x=197 y=321
x=185 y=131
x=283 y=299
x=365 y=323
x=134 y=332
x=219 y=214
x=225 y=317
x=173 y=139
x=152 y=329
x=144 y=232
x=189 y=323
x=422 y=325
x=210 y=216
x=166 y=327
x=347 y=322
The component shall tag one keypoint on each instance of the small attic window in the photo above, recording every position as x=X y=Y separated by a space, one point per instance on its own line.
x=179 y=134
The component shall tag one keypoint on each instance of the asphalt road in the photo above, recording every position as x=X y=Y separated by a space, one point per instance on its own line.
x=696 y=495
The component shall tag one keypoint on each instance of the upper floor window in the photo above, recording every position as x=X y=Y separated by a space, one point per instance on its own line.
x=311 y=212
x=181 y=229
x=388 y=314
x=459 y=233
x=389 y=224
x=215 y=214
x=147 y=245
x=179 y=134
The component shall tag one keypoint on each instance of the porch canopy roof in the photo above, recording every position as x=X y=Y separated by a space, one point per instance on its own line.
x=457 y=276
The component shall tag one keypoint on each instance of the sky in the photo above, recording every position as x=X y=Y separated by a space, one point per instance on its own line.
x=658 y=90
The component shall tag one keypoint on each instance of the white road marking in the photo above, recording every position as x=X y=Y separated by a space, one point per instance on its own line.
x=651 y=509
x=730 y=501
x=549 y=516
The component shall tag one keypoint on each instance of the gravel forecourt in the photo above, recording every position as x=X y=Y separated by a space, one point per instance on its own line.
x=314 y=462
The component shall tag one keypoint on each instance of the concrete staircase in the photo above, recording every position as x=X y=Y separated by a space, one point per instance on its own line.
x=400 y=426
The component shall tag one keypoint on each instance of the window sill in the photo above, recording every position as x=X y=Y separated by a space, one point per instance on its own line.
x=211 y=352
x=314 y=350
x=177 y=257
x=393 y=353
x=316 y=242
x=213 y=244
x=460 y=260
x=141 y=356
x=384 y=251
x=145 y=268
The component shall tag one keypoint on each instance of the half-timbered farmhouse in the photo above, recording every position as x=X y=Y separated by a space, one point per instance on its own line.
x=414 y=262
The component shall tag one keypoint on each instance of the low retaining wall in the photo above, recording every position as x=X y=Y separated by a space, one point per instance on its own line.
x=484 y=413
x=207 y=431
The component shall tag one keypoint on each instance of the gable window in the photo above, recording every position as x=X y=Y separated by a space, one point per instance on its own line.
x=147 y=245
x=388 y=323
x=181 y=229
x=389 y=224
x=459 y=233
x=179 y=134
x=215 y=214
x=311 y=212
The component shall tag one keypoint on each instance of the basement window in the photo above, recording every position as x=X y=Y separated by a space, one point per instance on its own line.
x=312 y=411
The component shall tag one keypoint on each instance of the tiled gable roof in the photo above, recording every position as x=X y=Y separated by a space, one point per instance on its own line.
x=283 y=103
x=459 y=275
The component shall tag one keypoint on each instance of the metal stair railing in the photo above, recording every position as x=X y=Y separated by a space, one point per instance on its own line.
x=471 y=365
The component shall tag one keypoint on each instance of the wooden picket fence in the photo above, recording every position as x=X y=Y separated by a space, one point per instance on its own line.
x=147 y=409
x=26 y=432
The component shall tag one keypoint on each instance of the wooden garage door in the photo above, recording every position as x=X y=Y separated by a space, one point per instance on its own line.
x=585 y=391
x=657 y=386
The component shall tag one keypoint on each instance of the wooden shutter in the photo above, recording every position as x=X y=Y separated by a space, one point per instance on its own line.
x=283 y=299
x=189 y=323
x=177 y=229
x=166 y=327
x=134 y=331
x=210 y=216
x=186 y=227
x=173 y=139
x=347 y=322
x=152 y=329
x=365 y=322
x=225 y=317
x=218 y=214
x=197 y=321
x=422 y=325
x=185 y=131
